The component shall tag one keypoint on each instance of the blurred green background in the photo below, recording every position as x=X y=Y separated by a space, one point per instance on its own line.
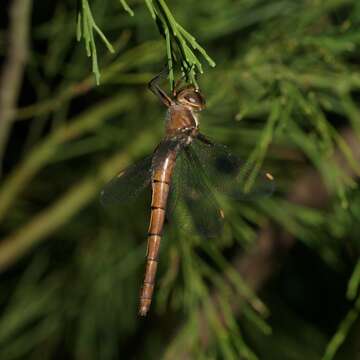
x=281 y=283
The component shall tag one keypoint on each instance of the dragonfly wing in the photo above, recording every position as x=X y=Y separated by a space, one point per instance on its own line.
x=128 y=184
x=131 y=181
x=192 y=204
x=227 y=173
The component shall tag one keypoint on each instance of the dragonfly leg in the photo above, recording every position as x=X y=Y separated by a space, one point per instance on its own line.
x=204 y=139
x=156 y=89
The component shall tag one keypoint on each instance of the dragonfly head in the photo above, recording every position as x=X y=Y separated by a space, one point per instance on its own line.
x=191 y=97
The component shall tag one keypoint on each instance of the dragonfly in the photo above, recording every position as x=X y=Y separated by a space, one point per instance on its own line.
x=186 y=164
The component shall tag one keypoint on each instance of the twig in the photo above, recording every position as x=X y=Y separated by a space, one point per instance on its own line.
x=44 y=151
x=37 y=229
x=143 y=54
x=175 y=34
x=262 y=261
x=13 y=68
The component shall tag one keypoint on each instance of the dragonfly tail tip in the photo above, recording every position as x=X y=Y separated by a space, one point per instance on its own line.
x=143 y=310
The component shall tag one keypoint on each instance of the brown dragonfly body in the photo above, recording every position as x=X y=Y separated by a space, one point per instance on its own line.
x=188 y=165
x=182 y=123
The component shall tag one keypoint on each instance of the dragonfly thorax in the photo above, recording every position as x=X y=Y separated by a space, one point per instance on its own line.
x=183 y=111
x=181 y=120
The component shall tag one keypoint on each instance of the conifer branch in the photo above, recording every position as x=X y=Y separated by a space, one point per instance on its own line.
x=181 y=46
x=260 y=263
x=43 y=152
x=85 y=28
x=16 y=245
x=13 y=68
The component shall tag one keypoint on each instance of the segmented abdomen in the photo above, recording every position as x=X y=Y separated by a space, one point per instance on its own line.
x=161 y=179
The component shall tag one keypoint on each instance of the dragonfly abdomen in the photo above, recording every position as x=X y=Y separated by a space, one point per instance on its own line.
x=160 y=190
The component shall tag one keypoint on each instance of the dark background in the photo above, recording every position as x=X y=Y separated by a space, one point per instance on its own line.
x=280 y=283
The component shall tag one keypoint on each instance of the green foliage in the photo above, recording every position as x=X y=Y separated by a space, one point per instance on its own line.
x=175 y=34
x=178 y=41
x=85 y=29
x=284 y=96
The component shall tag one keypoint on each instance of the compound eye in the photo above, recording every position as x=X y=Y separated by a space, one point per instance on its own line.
x=191 y=99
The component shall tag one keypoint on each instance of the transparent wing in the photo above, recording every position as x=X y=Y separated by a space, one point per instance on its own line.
x=203 y=171
x=131 y=181
x=128 y=184
x=227 y=173
x=192 y=204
